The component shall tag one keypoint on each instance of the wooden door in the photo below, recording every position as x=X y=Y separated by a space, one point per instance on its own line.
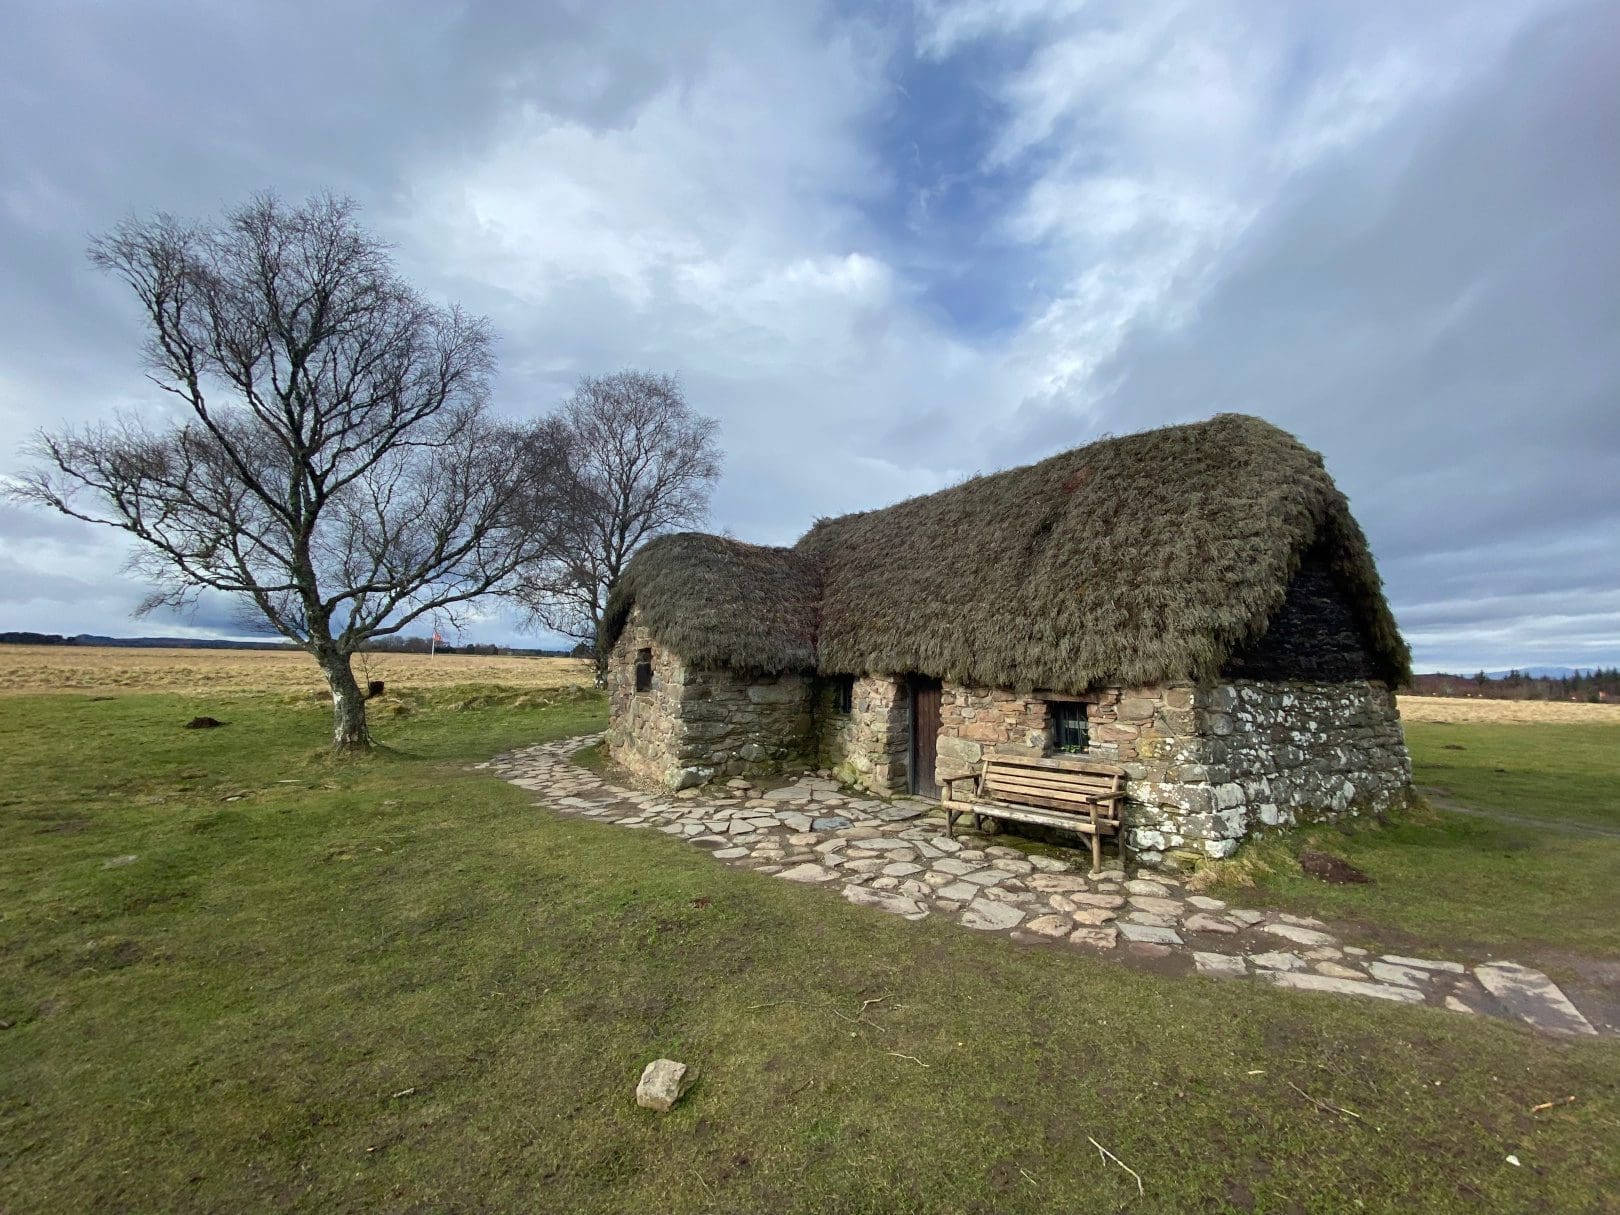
x=924 y=735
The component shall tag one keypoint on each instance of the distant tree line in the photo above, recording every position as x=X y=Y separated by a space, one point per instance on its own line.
x=426 y=645
x=1597 y=686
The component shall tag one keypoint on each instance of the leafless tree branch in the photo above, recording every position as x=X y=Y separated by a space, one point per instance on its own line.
x=338 y=472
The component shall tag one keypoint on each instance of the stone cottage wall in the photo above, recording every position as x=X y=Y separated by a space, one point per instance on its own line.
x=698 y=723
x=870 y=746
x=975 y=722
x=644 y=729
x=1206 y=766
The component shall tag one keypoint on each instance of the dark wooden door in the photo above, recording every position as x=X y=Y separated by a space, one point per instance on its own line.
x=924 y=735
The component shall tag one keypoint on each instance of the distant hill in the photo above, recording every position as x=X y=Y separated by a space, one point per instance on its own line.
x=179 y=643
x=151 y=643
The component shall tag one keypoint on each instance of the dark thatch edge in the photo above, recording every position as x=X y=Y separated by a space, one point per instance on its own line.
x=1145 y=559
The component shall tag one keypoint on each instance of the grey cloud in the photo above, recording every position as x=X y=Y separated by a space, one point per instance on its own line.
x=1436 y=311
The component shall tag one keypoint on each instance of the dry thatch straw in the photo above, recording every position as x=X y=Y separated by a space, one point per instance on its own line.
x=722 y=602
x=1132 y=561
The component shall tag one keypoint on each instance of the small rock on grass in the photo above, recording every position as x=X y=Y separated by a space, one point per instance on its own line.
x=662 y=1083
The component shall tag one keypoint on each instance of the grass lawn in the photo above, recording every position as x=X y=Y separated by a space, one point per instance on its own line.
x=1479 y=884
x=392 y=984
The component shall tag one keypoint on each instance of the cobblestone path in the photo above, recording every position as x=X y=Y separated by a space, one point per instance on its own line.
x=895 y=858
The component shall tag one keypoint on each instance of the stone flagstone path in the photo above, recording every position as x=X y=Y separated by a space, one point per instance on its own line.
x=890 y=857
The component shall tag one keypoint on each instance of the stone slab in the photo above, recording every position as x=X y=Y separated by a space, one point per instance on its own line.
x=1150 y=934
x=1532 y=997
x=1219 y=965
x=991 y=917
x=1305 y=981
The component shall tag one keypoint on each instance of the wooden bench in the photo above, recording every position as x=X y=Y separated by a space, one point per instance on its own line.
x=1071 y=794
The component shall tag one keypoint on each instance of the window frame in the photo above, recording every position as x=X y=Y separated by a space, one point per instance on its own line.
x=644 y=670
x=844 y=695
x=1065 y=713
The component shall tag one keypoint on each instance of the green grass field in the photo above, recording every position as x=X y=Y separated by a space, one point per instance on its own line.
x=1522 y=890
x=392 y=984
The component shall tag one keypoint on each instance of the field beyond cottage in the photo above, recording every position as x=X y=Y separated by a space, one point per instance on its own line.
x=237 y=973
x=50 y=668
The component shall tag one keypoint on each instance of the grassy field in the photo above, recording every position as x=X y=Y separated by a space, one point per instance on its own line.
x=1456 y=710
x=240 y=974
x=45 y=668
x=1520 y=889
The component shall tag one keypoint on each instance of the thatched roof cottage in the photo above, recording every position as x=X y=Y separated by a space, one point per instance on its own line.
x=1195 y=603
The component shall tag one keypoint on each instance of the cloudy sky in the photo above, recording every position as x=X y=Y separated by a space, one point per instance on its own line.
x=892 y=246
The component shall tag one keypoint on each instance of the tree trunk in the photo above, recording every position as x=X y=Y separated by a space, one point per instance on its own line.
x=349 y=732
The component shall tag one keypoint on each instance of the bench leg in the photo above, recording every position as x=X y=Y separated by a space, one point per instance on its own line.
x=1096 y=853
x=950 y=824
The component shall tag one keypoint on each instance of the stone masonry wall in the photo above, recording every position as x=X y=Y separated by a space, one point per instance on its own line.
x=1207 y=766
x=644 y=729
x=698 y=723
x=870 y=746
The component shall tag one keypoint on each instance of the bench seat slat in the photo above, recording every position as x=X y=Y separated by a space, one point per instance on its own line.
x=1043 y=818
x=1057 y=763
x=1014 y=781
x=1014 y=792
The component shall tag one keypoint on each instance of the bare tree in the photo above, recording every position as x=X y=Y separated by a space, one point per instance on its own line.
x=641 y=462
x=335 y=469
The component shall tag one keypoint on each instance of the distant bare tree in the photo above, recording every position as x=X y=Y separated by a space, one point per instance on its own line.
x=641 y=462
x=335 y=470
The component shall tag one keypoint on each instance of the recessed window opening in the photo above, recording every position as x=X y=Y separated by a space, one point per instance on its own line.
x=844 y=693
x=1070 y=735
x=644 y=670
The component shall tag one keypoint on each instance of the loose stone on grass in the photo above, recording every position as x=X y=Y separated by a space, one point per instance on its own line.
x=662 y=1083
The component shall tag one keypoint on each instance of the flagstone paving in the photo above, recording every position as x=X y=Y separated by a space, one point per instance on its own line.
x=893 y=857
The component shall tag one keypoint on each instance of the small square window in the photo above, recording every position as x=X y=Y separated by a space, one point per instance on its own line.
x=644 y=670
x=1069 y=732
x=844 y=693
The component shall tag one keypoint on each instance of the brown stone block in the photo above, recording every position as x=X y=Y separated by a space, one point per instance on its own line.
x=1115 y=733
x=983 y=731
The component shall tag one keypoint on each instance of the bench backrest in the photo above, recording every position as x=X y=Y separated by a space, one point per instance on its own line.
x=1056 y=785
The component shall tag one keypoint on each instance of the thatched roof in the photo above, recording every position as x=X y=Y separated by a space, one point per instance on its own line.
x=718 y=601
x=1132 y=561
